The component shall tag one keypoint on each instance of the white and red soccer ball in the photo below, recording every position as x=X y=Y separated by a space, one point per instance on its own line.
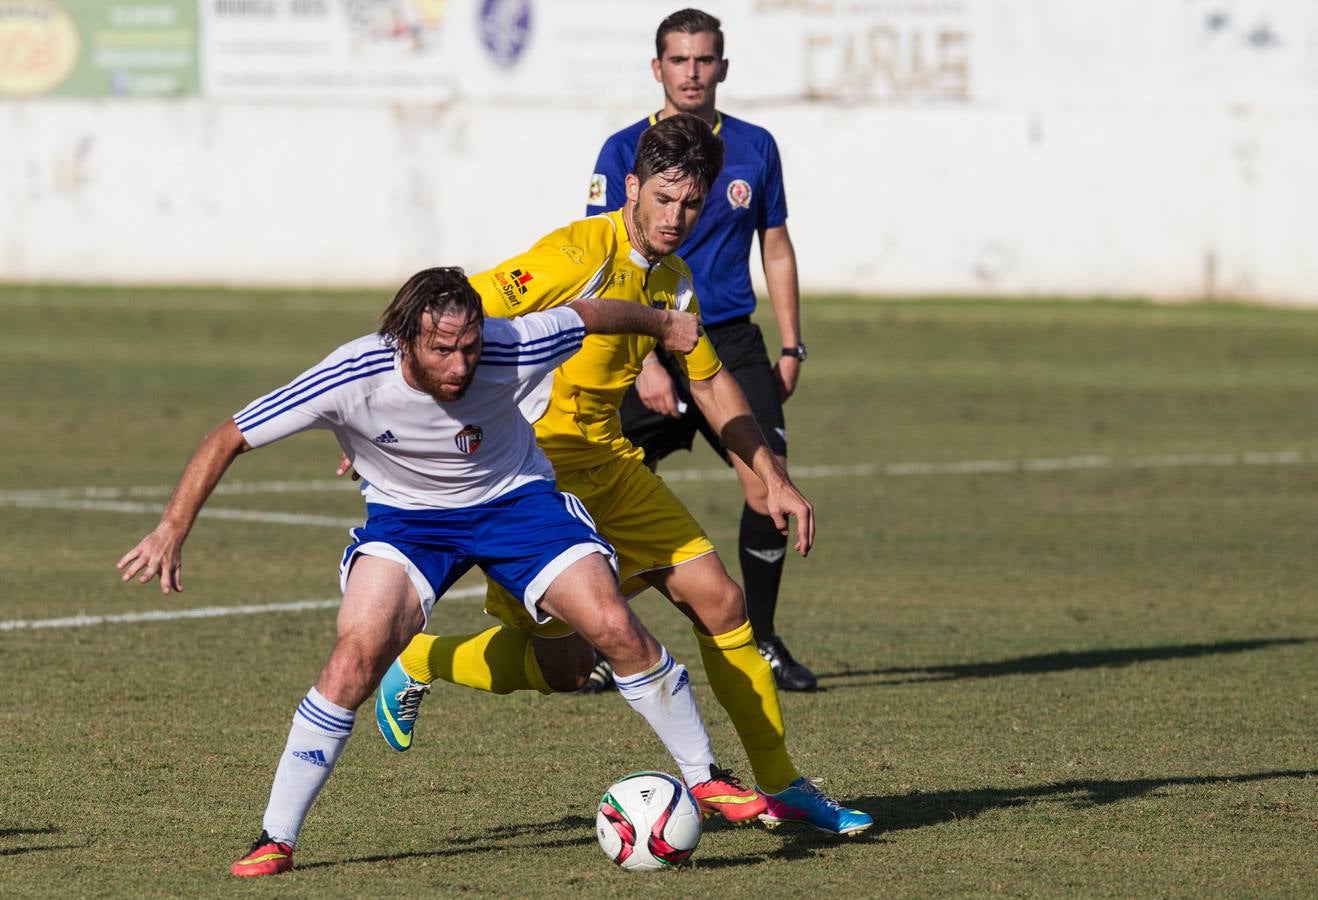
x=648 y=820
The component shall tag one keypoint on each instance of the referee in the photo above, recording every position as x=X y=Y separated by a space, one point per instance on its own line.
x=746 y=200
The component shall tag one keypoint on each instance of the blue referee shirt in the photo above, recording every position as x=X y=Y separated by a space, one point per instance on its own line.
x=747 y=197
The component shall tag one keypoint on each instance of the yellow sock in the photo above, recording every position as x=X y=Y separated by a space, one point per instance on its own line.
x=743 y=683
x=499 y=660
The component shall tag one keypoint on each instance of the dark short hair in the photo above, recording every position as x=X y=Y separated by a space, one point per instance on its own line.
x=438 y=291
x=689 y=21
x=682 y=144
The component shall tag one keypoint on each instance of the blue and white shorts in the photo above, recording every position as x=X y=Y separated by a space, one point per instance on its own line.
x=522 y=540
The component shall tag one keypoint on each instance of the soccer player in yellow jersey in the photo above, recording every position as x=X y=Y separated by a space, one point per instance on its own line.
x=627 y=255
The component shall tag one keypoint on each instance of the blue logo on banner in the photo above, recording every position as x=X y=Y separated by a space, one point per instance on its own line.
x=505 y=28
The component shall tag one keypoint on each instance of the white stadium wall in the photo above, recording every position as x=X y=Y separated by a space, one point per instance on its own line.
x=1037 y=147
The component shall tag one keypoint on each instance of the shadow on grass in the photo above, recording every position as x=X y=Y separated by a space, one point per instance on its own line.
x=32 y=832
x=569 y=831
x=1057 y=662
x=579 y=831
x=919 y=810
x=11 y=832
x=19 y=851
x=891 y=813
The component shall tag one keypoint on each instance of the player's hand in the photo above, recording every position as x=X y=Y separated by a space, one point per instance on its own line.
x=786 y=372
x=786 y=502
x=656 y=389
x=681 y=331
x=345 y=465
x=159 y=553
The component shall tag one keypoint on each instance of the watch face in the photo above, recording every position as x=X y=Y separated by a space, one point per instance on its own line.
x=798 y=351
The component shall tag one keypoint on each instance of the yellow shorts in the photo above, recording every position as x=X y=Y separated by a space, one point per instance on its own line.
x=636 y=512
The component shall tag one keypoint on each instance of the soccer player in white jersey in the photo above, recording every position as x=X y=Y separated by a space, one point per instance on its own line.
x=433 y=412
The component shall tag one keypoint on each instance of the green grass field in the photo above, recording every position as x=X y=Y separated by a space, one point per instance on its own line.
x=1064 y=606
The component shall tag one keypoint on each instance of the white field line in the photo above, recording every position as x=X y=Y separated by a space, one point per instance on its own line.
x=126 y=506
x=205 y=612
x=109 y=500
x=125 y=499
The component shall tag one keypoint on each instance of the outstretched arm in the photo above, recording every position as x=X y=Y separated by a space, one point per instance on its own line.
x=724 y=406
x=161 y=551
x=676 y=331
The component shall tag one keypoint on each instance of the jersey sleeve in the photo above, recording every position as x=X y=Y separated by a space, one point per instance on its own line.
x=312 y=400
x=703 y=361
x=608 y=181
x=773 y=212
x=563 y=266
x=534 y=344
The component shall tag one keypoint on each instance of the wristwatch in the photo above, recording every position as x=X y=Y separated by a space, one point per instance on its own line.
x=798 y=351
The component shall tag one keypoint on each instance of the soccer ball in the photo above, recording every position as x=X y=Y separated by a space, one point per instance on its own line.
x=648 y=820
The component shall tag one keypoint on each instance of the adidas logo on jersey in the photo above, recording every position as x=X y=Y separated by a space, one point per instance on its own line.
x=315 y=757
x=386 y=438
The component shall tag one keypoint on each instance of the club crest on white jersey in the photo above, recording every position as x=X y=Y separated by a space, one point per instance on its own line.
x=469 y=439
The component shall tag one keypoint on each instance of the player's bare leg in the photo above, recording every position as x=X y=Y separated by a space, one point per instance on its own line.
x=380 y=612
x=741 y=679
x=586 y=597
x=564 y=662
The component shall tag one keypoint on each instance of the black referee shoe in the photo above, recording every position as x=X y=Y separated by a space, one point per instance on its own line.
x=787 y=672
x=601 y=678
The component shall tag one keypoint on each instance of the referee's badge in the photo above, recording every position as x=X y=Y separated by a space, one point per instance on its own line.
x=599 y=190
x=739 y=193
x=469 y=439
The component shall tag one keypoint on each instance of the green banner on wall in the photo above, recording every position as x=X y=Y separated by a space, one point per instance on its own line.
x=98 y=48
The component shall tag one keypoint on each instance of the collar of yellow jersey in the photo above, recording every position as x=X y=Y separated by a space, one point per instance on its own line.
x=718 y=120
x=626 y=239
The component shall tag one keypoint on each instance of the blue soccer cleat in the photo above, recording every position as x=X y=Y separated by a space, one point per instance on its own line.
x=397 y=704
x=803 y=801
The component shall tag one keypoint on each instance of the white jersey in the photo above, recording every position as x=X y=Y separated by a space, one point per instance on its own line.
x=411 y=451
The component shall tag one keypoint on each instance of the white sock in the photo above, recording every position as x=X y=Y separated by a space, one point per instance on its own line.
x=662 y=694
x=319 y=732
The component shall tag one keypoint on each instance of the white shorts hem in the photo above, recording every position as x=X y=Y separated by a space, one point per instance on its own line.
x=536 y=589
x=381 y=550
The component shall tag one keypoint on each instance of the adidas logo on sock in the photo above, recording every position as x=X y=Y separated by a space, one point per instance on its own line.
x=682 y=681
x=386 y=438
x=315 y=757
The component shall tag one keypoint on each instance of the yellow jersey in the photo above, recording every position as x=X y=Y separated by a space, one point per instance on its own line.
x=593 y=258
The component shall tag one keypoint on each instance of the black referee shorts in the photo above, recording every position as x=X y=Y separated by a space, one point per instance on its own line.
x=740 y=345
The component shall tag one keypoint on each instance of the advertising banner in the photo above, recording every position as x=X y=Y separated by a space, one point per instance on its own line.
x=598 y=52
x=98 y=48
x=585 y=53
x=327 y=50
x=878 y=51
